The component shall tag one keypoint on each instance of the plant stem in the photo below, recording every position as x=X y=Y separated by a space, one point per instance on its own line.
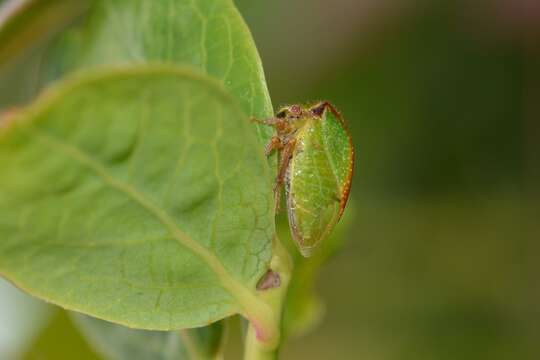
x=254 y=350
x=257 y=347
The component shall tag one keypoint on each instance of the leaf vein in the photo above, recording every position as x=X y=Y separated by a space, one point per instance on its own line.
x=248 y=301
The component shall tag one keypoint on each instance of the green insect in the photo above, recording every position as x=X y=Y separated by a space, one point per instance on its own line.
x=315 y=166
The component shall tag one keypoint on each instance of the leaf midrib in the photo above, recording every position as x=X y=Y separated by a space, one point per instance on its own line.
x=248 y=301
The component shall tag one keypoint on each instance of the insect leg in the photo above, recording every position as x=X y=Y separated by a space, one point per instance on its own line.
x=284 y=161
x=270 y=121
x=274 y=143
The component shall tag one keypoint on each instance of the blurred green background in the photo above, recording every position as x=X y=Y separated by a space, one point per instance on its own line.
x=443 y=101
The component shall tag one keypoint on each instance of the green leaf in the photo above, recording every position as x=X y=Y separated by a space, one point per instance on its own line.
x=24 y=24
x=208 y=34
x=25 y=27
x=120 y=343
x=140 y=196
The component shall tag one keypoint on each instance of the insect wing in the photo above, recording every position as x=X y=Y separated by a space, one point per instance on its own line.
x=340 y=152
x=318 y=179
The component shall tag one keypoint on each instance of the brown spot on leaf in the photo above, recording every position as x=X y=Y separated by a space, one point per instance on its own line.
x=270 y=280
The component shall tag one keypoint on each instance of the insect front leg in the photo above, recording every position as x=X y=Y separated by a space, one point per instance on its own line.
x=275 y=143
x=270 y=121
x=285 y=159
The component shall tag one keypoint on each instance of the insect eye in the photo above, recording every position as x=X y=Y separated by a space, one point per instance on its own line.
x=295 y=110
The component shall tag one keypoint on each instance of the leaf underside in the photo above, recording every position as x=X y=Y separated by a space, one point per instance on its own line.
x=208 y=34
x=136 y=196
x=117 y=342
